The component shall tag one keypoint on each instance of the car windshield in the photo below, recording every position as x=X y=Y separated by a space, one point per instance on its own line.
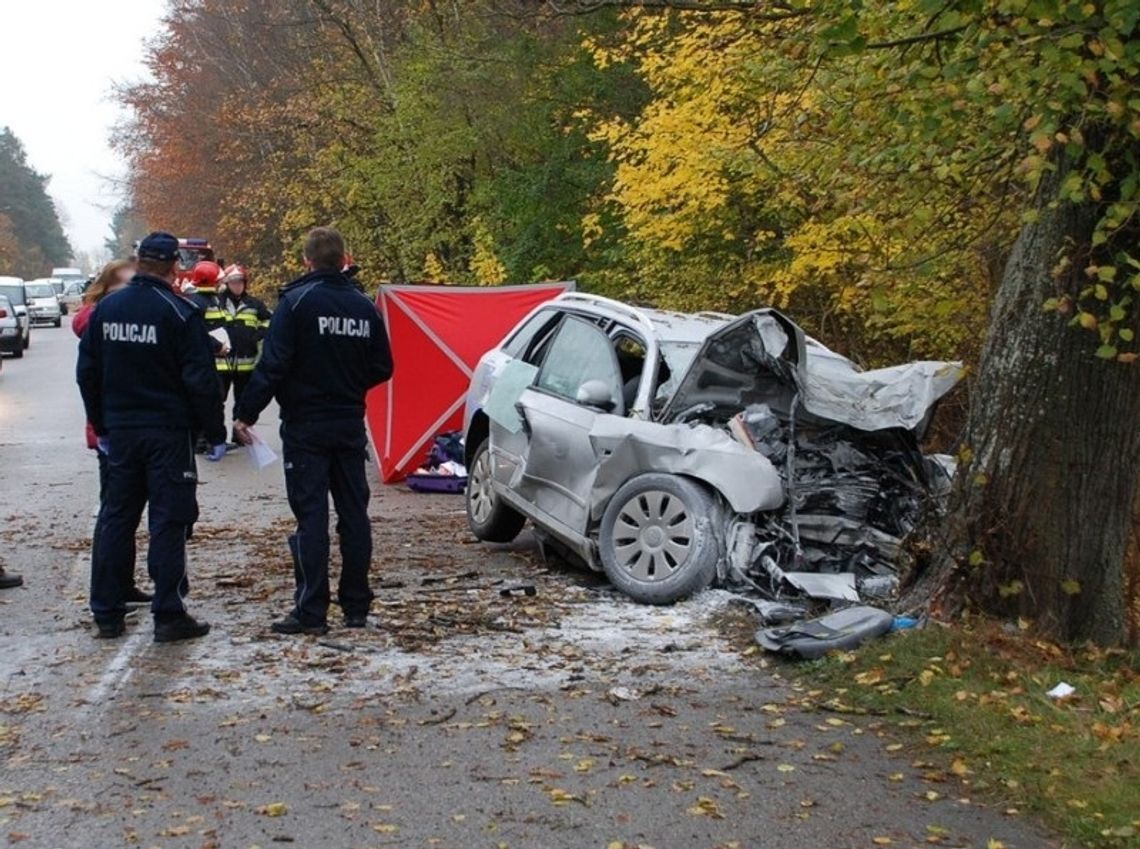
x=40 y=290
x=189 y=257
x=14 y=293
x=678 y=357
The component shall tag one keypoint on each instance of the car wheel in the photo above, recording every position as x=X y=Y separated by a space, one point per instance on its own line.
x=660 y=538
x=490 y=519
x=18 y=352
x=58 y=323
x=28 y=340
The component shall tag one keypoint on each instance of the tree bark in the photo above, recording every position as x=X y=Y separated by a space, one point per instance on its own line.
x=1044 y=495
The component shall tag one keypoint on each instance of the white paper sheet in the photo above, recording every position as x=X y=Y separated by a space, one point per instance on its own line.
x=260 y=454
x=222 y=335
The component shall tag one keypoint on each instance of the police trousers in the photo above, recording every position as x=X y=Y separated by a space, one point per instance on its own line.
x=322 y=459
x=128 y=575
x=152 y=467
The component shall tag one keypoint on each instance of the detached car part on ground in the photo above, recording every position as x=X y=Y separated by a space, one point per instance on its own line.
x=674 y=451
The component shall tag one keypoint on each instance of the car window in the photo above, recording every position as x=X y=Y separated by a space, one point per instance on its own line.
x=14 y=293
x=580 y=352
x=40 y=290
x=5 y=304
x=522 y=338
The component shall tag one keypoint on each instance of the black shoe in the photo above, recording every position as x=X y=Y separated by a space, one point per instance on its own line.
x=184 y=627
x=109 y=629
x=292 y=625
x=8 y=580
x=356 y=620
x=136 y=598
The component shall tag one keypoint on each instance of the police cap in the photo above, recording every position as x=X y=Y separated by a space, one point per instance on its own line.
x=159 y=246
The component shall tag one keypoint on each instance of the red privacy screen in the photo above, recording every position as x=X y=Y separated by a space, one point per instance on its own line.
x=438 y=334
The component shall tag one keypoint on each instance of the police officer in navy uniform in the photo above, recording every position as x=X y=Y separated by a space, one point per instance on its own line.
x=147 y=377
x=326 y=347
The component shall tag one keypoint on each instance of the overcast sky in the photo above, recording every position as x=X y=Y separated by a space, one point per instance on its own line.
x=58 y=63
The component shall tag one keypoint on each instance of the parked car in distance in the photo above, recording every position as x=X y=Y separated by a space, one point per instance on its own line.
x=72 y=297
x=64 y=277
x=11 y=337
x=43 y=305
x=13 y=289
x=57 y=287
x=614 y=430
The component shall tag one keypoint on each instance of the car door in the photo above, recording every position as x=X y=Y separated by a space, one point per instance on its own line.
x=579 y=379
x=522 y=353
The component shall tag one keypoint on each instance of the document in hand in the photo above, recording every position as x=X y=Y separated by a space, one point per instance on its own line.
x=222 y=335
x=260 y=454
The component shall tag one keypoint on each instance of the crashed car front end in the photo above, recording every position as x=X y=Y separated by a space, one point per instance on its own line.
x=846 y=444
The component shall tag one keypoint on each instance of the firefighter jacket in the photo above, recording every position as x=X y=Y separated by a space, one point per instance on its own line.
x=246 y=320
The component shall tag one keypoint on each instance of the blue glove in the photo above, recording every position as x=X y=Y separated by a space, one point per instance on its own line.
x=103 y=445
x=216 y=453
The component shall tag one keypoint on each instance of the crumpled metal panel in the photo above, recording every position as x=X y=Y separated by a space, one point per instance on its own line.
x=764 y=357
x=626 y=447
x=898 y=396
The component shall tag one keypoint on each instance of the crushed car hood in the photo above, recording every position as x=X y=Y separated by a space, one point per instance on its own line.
x=764 y=357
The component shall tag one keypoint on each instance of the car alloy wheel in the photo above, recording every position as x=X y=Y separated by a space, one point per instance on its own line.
x=480 y=494
x=489 y=518
x=653 y=535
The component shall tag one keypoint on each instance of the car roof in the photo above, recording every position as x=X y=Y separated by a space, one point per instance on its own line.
x=11 y=281
x=665 y=325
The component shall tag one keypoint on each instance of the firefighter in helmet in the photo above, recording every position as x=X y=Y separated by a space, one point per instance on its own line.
x=246 y=320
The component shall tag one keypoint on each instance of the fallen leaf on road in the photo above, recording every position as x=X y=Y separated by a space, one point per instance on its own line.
x=706 y=807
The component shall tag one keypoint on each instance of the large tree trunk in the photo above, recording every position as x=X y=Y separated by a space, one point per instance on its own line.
x=1044 y=497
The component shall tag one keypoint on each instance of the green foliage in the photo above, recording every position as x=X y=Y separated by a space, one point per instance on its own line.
x=866 y=166
x=31 y=236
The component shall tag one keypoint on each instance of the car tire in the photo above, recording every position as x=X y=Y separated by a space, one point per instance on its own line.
x=58 y=323
x=661 y=538
x=490 y=519
x=18 y=353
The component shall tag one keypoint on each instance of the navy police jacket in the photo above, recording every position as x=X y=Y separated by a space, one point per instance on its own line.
x=325 y=348
x=145 y=362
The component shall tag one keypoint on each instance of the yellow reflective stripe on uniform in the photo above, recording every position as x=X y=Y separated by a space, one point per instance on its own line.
x=249 y=318
x=215 y=315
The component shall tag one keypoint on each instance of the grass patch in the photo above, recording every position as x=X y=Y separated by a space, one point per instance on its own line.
x=971 y=699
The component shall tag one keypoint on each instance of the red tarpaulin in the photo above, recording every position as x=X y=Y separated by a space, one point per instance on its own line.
x=438 y=334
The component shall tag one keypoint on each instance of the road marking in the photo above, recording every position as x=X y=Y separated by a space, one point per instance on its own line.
x=118 y=671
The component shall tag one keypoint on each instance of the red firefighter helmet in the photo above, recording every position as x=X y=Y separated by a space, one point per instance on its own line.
x=235 y=272
x=205 y=274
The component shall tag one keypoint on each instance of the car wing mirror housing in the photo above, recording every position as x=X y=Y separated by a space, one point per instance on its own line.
x=596 y=394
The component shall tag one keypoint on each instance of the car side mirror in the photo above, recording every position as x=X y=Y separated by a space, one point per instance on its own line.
x=596 y=394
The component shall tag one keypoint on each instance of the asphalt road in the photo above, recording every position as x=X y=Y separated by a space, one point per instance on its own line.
x=462 y=718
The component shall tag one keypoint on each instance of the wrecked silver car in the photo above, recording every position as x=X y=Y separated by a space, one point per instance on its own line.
x=674 y=451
